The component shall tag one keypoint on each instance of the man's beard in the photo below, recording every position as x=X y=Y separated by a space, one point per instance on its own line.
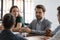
x=39 y=18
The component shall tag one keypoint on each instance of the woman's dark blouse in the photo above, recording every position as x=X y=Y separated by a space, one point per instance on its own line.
x=19 y=20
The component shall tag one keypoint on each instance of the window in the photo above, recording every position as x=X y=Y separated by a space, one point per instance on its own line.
x=29 y=11
x=6 y=6
x=19 y=3
x=25 y=7
x=0 y=9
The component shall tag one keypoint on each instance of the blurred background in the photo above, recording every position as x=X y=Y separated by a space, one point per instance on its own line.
x=27 y=9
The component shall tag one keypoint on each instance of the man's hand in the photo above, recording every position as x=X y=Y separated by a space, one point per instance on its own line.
x=25 y=29
x=48 y=32
x=28 y=30
x=22 y=30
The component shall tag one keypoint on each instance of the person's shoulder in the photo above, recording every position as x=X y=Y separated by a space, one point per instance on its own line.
x=19 y=17
x=57 y=34
x=34 y=20
x=47 y=21
x=58 y=26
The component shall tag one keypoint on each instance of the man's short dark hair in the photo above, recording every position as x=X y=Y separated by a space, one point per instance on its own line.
x=41 y=7
x=8 y=21
x=58 y=8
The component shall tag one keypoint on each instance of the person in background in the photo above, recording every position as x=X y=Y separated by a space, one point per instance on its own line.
x=40 y=25
x=56 y=32
x=58 y=28
x=19 y=22
x=8 y=23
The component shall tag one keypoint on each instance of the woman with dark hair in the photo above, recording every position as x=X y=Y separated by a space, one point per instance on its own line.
x=19 y=21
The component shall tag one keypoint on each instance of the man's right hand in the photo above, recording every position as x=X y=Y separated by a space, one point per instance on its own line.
x=22 y=30
x=25 y=29
x=48 y=32
x=28 y=30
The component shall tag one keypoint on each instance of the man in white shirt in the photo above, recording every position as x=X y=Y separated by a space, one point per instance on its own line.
x=57 y=35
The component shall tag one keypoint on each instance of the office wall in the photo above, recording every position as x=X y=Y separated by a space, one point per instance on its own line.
x=51 y=10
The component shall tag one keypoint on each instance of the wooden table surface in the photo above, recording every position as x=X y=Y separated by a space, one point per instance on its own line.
x=35 y=37
x=32 y=37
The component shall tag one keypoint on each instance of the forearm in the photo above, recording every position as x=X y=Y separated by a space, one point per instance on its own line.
x=38 y=32
x=15 y=29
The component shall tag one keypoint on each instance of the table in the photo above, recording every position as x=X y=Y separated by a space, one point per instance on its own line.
x=31 y=37
x=35 y=38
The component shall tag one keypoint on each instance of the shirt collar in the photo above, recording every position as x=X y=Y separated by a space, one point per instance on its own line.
x=41 y=20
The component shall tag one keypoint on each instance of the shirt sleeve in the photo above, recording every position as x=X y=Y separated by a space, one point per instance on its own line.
x=56 y=36
x=56 y=30
x=48 y=23
x=20 y=20
x=38 y=32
